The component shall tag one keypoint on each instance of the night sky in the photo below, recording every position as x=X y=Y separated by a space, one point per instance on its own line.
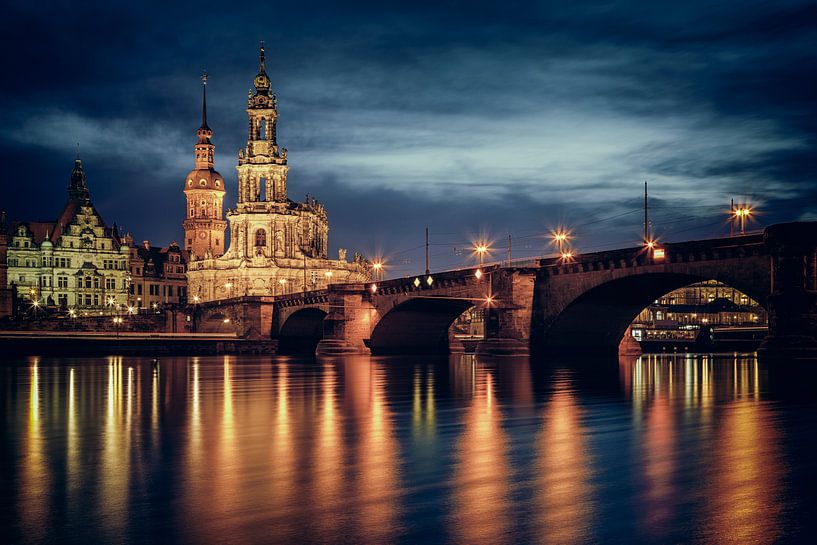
x=472 y=118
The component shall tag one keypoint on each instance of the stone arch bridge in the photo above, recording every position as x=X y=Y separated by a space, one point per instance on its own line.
x=584 y=305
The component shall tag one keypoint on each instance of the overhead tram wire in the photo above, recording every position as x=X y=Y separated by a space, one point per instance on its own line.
x=660 y=220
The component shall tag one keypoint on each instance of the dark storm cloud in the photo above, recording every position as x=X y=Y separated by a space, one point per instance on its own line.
x=464 y=116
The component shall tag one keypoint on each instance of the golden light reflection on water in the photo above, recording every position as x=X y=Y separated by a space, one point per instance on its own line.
x=320 y=451
x=115 y=469
x=744 y=489
x=327 y=491
x=378 y=479
x=564 y=495
x=741 y=472
x=35 y=477
x=481 y=489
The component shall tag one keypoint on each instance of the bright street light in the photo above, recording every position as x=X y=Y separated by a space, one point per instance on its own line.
x=742 y=214
x=481 y=248
x=377 y=266
x=560 y=237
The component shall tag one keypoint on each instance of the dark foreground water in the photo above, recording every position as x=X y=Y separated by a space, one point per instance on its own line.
x=387 y=450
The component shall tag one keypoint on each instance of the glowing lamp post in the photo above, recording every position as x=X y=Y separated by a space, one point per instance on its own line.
x=378 y=270
x=742 y=214
x=480 y=249
x=560 y=239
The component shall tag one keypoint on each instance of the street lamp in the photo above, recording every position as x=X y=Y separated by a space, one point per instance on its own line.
x=481 y=249
x=282 y=282
x=328 y=275
x=378 y=270
x=560 y=238
x=742 y=213
x=567 y=256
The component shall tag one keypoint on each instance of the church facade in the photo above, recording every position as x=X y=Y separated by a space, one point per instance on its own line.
x=276 y=245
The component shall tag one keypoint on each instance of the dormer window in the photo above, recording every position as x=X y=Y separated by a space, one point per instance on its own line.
x=218 y=183
x=189 y=183
x=203 y=183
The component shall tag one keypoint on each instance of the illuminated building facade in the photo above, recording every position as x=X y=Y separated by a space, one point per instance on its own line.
x=158 y=275
x=276 y=245
x=709 y=303
x=74 y=262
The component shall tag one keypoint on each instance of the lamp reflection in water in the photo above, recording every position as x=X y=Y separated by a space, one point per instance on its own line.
x=423 y=409
x=226 y=490
x=72 y=439
x=35 y=476
x=378 y=459
x=746 y=477
x=741 y=468
x=285 y=491
x=328 y=464
x=115 y=471
x=481 y=490
x=564 y=493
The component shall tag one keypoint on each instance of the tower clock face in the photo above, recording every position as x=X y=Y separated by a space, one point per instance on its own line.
x=202 y=235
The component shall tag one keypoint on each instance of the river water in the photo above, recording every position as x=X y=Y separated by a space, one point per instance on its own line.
x=688 y=449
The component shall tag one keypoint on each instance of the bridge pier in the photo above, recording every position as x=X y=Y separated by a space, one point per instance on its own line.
x=508 y=320
x=349 y=322
x=793 y=301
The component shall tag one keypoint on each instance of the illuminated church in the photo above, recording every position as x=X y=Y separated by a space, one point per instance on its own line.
x=276 y=245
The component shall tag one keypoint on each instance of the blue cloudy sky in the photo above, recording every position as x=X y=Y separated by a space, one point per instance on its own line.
x=474 y=118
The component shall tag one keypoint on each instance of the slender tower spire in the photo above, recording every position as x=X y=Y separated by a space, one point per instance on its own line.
x=204 y=101
x=204 y=191
x=205 y=150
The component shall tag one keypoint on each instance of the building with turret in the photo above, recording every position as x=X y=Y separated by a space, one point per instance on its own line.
x=277 y=245
x=75 y=262
x=204 y=225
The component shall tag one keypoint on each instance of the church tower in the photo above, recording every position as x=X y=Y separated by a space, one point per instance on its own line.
x=204 y=190
x=262 y=165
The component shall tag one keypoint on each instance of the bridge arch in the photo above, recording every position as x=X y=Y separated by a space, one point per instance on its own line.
x=302 y=331
x=596 y=320
x=417 y=326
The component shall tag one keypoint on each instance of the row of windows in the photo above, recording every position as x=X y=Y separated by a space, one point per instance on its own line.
x=27 y=244
x=158 y=290
x=113 y=264
x=60 y=263
x=137 y=271
x=88 y=282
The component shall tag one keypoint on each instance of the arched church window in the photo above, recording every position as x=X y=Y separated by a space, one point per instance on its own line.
x=262 y=129
x=260 y=238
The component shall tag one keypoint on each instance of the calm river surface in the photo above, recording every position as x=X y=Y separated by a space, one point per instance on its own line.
x=691 y=449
